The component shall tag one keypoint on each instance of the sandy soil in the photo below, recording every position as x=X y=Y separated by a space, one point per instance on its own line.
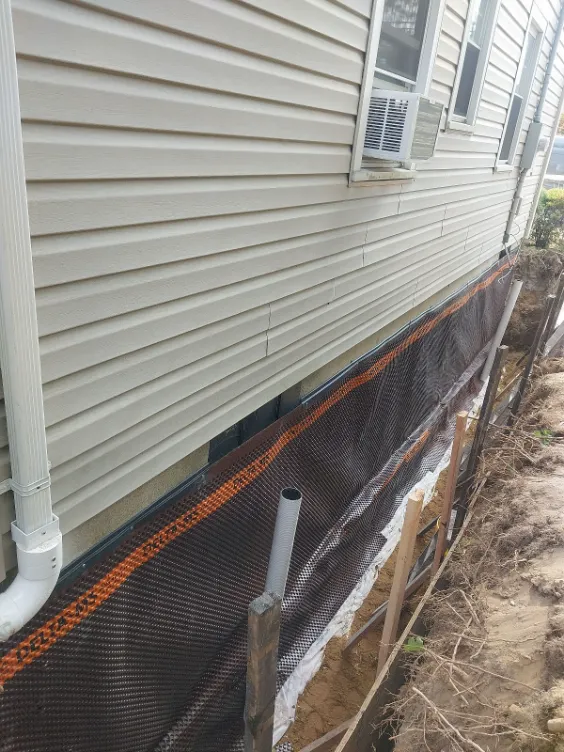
x=338 y=690
x=491 y=675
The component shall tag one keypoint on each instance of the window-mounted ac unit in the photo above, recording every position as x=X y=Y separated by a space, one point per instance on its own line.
x=401 y=126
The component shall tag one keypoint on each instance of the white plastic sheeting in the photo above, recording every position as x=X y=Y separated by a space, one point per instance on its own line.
x=341 y=624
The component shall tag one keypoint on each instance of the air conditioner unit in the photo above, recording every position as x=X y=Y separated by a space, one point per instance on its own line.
x=401 y=126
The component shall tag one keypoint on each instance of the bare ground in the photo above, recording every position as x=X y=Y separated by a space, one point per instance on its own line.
x=338 y=689
x=490 y=675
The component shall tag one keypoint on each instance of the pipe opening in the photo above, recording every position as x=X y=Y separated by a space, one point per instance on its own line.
x=291 y=494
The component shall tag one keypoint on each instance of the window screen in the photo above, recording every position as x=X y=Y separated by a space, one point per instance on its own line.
x=401 y=38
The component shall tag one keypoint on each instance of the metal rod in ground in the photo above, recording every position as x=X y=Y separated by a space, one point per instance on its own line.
x=283 y=540
x=550 y=324
x=401 y=573
x=550 y=301
x=262 y=660
x=450 y=487
x=514 y=291
x=485 y=412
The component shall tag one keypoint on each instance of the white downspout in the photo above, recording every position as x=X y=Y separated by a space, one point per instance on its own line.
x=36 y=529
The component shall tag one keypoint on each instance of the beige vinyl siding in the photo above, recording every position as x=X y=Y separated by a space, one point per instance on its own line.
x=197 y=247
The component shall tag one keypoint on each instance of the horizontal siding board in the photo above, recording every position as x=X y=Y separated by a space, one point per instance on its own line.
x=324 y=18
x=360 y=7
x=388 y=230
x=452 y=24
x=176 y=417
x=395 y=274
x=68 y=153
x=93 y=386
x=68 y=34
x=290 y=365
x=76 y=435
x=299 y=303
x=100 y=299
x=75 y=96
x=371 y=274
x=229 y=24
x=114 y=337
x=90 y=255
x=72 y=207
x=449 y=50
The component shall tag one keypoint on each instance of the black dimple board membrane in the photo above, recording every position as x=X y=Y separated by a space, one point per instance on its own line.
x=146 y=650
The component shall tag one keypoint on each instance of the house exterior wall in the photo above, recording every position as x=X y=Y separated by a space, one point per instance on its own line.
x=197 y=247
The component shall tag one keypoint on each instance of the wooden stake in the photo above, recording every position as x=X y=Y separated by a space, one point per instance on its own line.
x=359 y=737
x=327 y=742
x=450 y=488
x=551 y=321
x=262 y=660
x=486 y=412
x=401 y=573
x=550 y=302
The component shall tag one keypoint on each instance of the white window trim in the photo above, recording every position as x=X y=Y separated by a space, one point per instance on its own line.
x=455 y=121
x=539 y=22
x=424 y=77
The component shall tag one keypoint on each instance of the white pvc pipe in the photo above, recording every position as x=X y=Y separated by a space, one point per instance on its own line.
x=283 y=541
x=514 y=291
x=36 y=530
x=38 y=572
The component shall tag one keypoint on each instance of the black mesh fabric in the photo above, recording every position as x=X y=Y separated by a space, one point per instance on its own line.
x=146 y=650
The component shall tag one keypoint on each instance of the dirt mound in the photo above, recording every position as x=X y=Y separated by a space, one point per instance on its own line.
x=491 y=672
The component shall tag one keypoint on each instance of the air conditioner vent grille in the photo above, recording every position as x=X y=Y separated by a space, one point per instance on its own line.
x=386 y=123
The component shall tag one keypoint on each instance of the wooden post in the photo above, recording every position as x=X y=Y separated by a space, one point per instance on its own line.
x=450 y=488
x=359 y=737
x=551 y=321
x=401 y=573
x=550 y=301
x=262 y=661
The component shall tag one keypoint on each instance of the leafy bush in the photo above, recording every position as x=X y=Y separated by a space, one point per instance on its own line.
x=549 y=221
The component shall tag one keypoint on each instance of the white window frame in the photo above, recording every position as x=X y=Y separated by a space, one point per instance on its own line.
x=539 y=23
x=457 y=122
x=422 y=84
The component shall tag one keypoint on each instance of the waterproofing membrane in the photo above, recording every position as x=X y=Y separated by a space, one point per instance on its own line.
x=146 y=651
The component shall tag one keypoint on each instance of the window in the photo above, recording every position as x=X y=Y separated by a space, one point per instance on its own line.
x=520 y=95
x=400 y=56
x=480 y=26
x=401 y=40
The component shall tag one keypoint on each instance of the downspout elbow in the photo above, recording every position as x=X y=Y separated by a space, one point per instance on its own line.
x=38 y=572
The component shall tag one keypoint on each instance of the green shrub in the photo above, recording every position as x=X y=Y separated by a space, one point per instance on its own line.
x=549 y=220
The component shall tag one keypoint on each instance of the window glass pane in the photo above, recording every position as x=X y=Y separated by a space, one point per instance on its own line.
x=514 y=113
x=527 y=69
x=401 y=38
x=467 y=78
x=477 y=22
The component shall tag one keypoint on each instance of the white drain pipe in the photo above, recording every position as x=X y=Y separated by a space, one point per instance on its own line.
x=283 y=541
x=36 y=529
x=514 y=291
